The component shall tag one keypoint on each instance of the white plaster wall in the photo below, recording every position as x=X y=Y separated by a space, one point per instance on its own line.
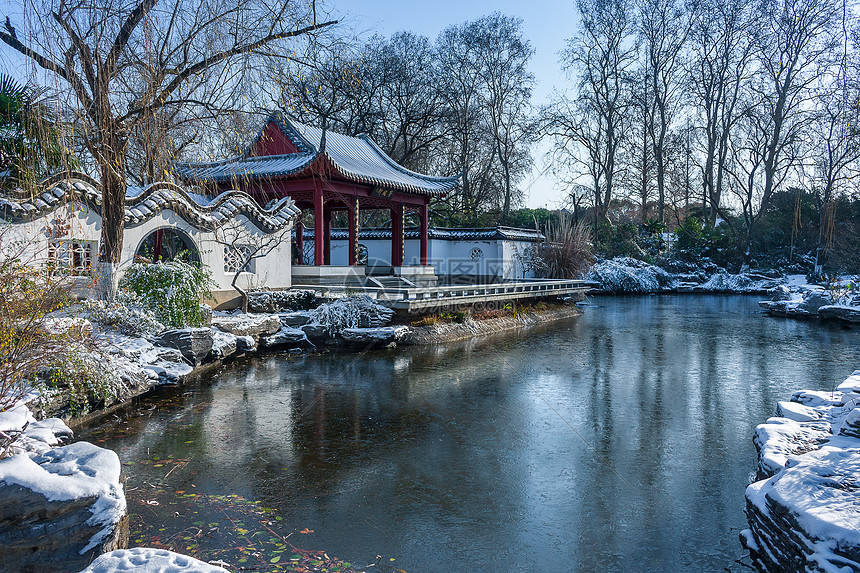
x=31 y=238
x=501 y=261
x=272 y=271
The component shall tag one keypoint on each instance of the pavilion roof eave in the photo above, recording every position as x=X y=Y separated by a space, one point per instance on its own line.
x=355 y=159
x=273 y=167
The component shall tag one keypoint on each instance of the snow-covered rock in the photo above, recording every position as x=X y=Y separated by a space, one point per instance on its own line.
x=803 y=512
x=193 y=343
x=274 y=301
x=284 y=337
x=223 y=344
x=295 y=319
x=248 y=324
x=146 y=560
x=59 y=506
x=740 y=283
x=847 y=313
x=375 y=336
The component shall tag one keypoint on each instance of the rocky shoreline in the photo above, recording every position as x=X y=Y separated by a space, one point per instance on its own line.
x=625 y=275
x=450 y=332
x=802 y=510
x=814 y=302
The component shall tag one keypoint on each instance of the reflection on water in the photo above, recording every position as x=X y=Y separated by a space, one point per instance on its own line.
x=620 y=440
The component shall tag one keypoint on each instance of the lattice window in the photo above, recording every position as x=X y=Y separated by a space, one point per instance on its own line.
x=71 y=257
x=235 y=255
x=477 y=254
x=361 y=254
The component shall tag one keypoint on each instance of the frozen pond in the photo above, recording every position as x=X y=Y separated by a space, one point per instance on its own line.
x=617 y=441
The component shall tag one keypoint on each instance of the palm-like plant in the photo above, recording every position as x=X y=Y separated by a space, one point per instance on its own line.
x=31 y=144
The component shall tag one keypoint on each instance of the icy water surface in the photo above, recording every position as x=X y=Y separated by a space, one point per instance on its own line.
x=617 y=441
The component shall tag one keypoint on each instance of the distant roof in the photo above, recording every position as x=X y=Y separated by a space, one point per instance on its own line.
x=143 y=203
x=356 y=159
x=473 y=234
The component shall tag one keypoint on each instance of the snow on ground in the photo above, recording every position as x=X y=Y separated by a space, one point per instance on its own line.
x=805 y=513
x=146 y=560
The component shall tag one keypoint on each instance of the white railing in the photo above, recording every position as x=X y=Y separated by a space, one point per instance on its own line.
x=458 y=294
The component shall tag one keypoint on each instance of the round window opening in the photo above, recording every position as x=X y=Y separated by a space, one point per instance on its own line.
x=165 y=245
x=477 y=254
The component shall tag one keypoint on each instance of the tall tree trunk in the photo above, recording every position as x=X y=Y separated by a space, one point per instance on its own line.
x=112 y=165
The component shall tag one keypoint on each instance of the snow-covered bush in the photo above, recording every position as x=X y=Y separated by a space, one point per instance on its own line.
x=126 y=314
x=351 y=312
x=625 y=274
x=172 y=291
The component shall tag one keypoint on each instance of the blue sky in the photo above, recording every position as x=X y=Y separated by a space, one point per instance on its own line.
x=546 y=23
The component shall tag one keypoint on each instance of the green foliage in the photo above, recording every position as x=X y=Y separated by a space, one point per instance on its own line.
x=31 y=146
x=696 y=240
x=527 y=218
x=619 y=240
x=83 y=379
x=172 y=291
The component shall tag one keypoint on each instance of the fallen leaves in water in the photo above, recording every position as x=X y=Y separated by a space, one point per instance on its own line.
x=247 y=535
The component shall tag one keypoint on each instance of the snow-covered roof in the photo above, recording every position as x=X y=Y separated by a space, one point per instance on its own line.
x=199 y=210
x=356 y=159
x=476 y=234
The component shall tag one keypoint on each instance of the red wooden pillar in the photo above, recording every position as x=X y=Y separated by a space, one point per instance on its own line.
x=318 y=224
x=326 y=236
x=424 y=215
x=353 y=213
x=300 y=242
x=156 y=249
x=397 y=235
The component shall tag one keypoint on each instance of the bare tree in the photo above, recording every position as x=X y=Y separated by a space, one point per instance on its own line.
x=589 y=130
x=664 y=26
x=507 y=86
x=795 y=38
x=722 y=46
x=835 y=139
x=124 y=60
x=243 y=245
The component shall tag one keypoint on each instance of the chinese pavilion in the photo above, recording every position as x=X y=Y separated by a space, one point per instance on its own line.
x=324 y=171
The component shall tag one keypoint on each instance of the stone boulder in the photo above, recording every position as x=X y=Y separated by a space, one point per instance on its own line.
x=813 y=300
x=223 y=344
x=248 y=324
x=246 y=344
x=285 y=337
x=295 y=319
x=374 y=337
x=840 y=312
x=193 y=343
x=804 y=518
x=60 y=509
x=315 y=331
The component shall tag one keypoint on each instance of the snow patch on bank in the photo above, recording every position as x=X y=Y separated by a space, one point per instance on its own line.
x=146 y=560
